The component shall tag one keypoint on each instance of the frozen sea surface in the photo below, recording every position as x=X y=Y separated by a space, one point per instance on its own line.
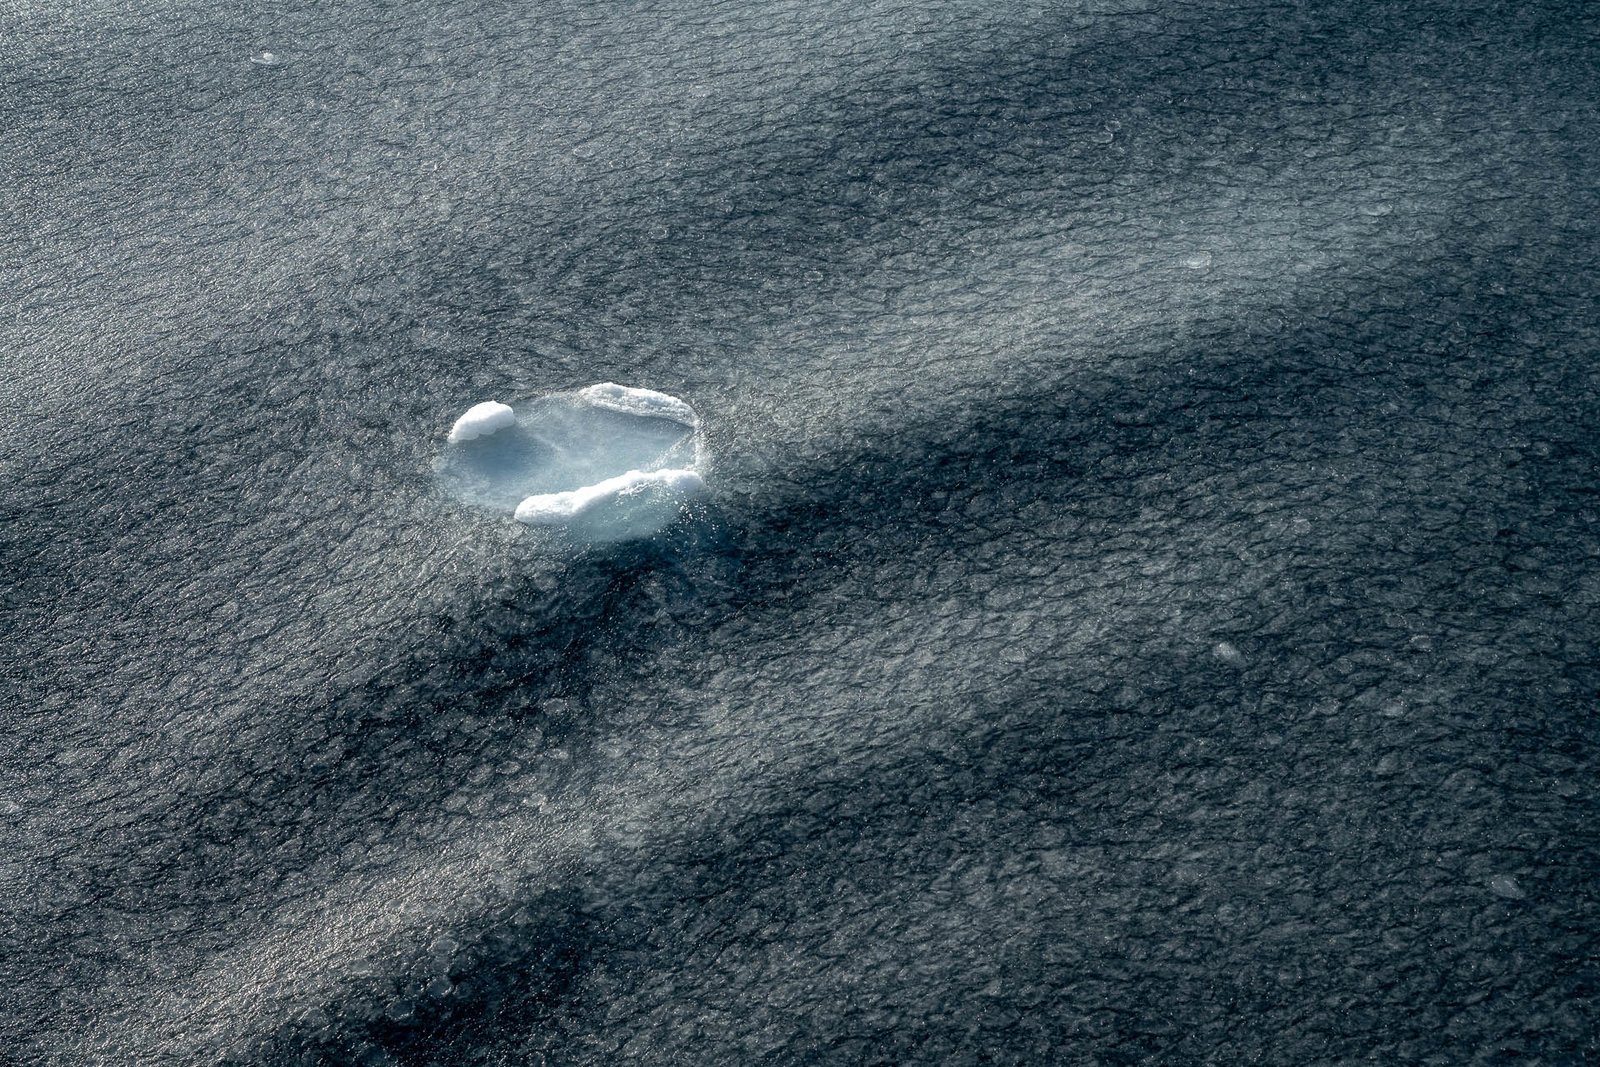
x=1144 y=609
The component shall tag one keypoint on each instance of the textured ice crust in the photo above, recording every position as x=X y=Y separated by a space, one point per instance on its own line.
x=643 y=402
x=480 y=420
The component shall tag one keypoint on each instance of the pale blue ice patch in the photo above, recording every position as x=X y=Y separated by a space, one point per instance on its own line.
x=604 y=463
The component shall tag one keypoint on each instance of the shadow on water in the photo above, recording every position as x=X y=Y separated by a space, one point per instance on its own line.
x=515 y=971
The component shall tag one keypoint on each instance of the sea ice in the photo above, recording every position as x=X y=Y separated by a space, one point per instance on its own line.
x=642 y=402
x=481 y=420
x=633 y=487
x=605 y=463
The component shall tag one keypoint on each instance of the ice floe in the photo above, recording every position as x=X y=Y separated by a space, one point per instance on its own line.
x=604 y=463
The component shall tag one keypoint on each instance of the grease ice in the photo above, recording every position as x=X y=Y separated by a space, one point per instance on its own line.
x=480 y=420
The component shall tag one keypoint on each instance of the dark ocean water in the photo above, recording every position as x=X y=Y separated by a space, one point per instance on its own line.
x=1144 y=611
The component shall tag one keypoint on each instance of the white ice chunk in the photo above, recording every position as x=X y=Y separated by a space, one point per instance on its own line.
x=644 y=402
x=481 y=420
x=672 y=486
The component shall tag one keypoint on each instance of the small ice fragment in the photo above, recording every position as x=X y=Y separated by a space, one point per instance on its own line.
x=480 y=420
x=643 y=402
x=1503 y=885
x=1198 y=261
x=552 y=509
x=265 y=58
x=1228 y=652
